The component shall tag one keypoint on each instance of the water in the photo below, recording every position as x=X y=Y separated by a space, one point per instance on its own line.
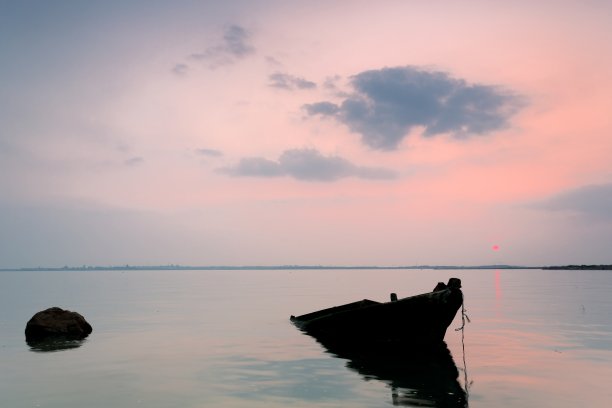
x=223 y=338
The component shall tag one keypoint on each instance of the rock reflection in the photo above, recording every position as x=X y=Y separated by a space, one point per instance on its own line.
x=54 y=343
x=416 y=378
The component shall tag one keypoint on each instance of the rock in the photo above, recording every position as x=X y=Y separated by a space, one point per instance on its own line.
x=56 y=322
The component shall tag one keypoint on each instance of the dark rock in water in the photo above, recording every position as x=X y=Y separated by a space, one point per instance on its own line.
x=56 y=323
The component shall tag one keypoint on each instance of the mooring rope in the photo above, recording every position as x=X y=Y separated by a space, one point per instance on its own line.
x=464 y=317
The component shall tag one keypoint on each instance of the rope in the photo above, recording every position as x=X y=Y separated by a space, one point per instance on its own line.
x=467 y=385
x=464 y=317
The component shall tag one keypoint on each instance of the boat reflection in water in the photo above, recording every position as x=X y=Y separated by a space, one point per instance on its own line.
x=400 y=342
x=427 y=378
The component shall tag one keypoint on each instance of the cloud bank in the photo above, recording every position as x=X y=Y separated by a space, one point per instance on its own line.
x=306 y=165
x=386 y=104
x=593 y=201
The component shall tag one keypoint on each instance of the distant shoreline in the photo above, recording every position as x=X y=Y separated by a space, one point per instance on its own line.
x=259 y=267
x=580 y=267
x=295 y=267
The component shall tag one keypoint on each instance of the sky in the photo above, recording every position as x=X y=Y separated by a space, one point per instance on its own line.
x=305 y=133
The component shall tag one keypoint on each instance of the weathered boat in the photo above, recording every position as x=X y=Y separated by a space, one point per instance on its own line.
x=419 y=320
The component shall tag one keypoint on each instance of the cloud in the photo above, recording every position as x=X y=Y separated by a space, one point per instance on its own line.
x=235 y=45
x=322 y=108
x=289 y=82
x=593 y=201
x=133 y=161
x=306 y=165
x=333 y=85
x=386 y=104
x=209 y=152
x=273 y=61
x=236 y=41
x=255 y=167
x=330 y=82
x=180 y=69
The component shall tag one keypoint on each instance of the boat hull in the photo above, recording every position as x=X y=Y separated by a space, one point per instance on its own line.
x=418 y=320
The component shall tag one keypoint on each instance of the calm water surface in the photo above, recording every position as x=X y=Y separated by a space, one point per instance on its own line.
x=223 y=338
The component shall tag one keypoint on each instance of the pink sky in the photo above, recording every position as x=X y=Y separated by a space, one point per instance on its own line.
x=181 y=133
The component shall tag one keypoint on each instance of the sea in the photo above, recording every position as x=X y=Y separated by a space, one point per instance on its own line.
x=223 y=338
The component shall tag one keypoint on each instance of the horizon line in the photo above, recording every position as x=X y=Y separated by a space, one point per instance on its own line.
x=291 y=267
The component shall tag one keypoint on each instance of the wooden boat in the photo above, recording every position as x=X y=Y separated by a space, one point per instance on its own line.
x=419 y=320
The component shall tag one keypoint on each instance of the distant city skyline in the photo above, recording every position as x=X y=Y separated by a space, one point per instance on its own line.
x=305 y=133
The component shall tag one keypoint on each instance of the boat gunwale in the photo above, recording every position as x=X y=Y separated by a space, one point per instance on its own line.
x=361 y=306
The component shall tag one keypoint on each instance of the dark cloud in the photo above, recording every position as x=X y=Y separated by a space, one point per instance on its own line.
x=322 y=108
x=387 y=103
x=210 y=152
x=286 y=81
x=306 y=165
x=235 y=45
x=592 y=201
